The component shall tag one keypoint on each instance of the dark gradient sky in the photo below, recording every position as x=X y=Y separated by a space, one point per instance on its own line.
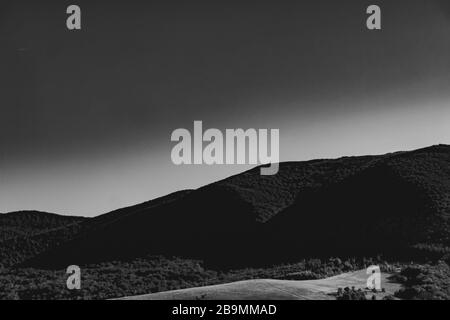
x=86 y=116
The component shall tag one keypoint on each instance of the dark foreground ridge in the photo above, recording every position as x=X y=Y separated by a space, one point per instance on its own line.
x=395 y=204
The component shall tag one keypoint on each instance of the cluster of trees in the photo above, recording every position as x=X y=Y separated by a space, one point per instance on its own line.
x=350 y=294
x=425 y=282
x=362 y=294
x=154 y=274
x=105 y=280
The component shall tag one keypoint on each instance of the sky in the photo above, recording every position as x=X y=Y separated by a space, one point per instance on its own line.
x=87 y=115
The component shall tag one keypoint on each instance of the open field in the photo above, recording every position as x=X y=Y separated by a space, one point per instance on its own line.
x=268 y=289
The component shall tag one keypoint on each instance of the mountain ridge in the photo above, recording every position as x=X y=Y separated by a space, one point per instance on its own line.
x=258 y=216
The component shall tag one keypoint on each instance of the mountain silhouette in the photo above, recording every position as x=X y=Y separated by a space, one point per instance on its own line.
x=393 y=204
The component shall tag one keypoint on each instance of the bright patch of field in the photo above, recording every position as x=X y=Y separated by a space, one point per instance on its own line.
x=268 y=289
